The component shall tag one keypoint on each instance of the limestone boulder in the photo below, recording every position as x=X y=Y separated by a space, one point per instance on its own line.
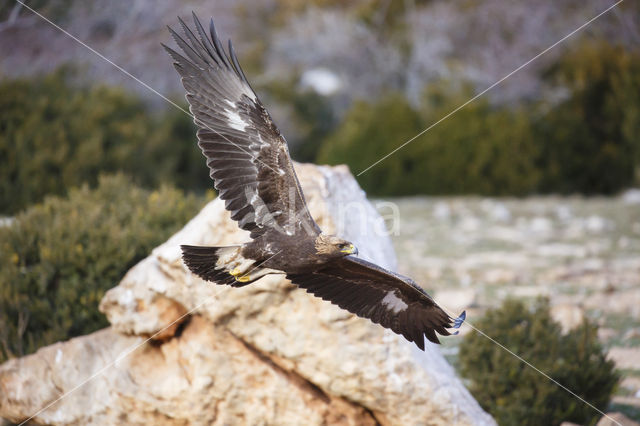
x=183 y=351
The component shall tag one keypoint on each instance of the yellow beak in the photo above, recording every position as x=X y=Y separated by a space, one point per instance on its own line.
x=350 y=250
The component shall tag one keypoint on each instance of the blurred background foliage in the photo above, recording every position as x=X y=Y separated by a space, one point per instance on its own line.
x=481 y=149
x=590 y=141
x=516 y=394
x=58 y=257
x=54 y=135
x=584 y=142
x=583 y=139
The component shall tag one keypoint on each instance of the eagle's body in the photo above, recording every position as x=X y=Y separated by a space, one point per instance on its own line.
x=265 y=253
x=253 y=173
x=306 y=256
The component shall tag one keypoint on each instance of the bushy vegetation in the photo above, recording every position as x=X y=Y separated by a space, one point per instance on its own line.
x=58 y=258
x=513 y=392
x=585 y=141
x=480 y=149
x=591 y=140
x=367 y=133
x=54 y=136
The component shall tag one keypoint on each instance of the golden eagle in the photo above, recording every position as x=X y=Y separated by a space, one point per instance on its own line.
x=252 y=171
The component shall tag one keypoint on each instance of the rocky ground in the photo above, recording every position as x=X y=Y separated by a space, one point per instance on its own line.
x=583 y=253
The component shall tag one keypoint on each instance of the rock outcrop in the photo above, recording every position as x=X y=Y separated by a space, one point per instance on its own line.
x=183 y=351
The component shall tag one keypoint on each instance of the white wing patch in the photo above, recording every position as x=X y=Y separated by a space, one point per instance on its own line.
x=394 y=303
x=235 y=121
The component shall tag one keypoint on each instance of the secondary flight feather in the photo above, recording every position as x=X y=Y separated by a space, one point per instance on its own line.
x=253 y=173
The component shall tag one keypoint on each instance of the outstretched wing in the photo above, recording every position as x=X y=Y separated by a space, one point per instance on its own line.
x=388 y=299
x=248 y=159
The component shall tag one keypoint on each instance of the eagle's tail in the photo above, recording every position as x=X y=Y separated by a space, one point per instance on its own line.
x=222 y=265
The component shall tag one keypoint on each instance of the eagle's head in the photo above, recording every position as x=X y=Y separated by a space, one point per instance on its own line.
x=333 y=246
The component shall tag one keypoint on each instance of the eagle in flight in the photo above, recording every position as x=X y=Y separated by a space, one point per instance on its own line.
x=253 y=173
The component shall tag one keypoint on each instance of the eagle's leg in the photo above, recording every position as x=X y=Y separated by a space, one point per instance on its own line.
x=254 y=274
x=224 y=265
x=241 y=278
x=242 y=268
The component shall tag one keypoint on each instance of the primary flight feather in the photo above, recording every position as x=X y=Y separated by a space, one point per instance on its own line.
x=253 y=173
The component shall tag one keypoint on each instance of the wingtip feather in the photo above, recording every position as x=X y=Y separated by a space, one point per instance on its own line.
x=218 y=45
x=212 y=28
x=458 y=321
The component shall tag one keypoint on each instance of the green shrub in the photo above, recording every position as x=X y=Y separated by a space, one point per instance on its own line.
x=585 y=140
x=590 y=141
x=370 y=131
x=58 y=258
x=54 y=136
x=513 y=392
x=480 y=149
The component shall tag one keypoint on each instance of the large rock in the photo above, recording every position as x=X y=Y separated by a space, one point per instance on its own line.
x=183 y=351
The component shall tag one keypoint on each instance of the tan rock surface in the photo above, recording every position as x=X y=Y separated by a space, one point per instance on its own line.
x=267 y=353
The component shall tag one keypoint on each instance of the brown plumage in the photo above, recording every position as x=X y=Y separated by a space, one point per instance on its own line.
x=251 y=168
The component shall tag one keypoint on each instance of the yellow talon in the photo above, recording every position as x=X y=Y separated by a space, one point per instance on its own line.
x=243 y=279
x=235 y=272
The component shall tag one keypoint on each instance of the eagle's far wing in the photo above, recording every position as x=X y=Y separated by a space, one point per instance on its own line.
x=248 y=159
x=386 y=298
